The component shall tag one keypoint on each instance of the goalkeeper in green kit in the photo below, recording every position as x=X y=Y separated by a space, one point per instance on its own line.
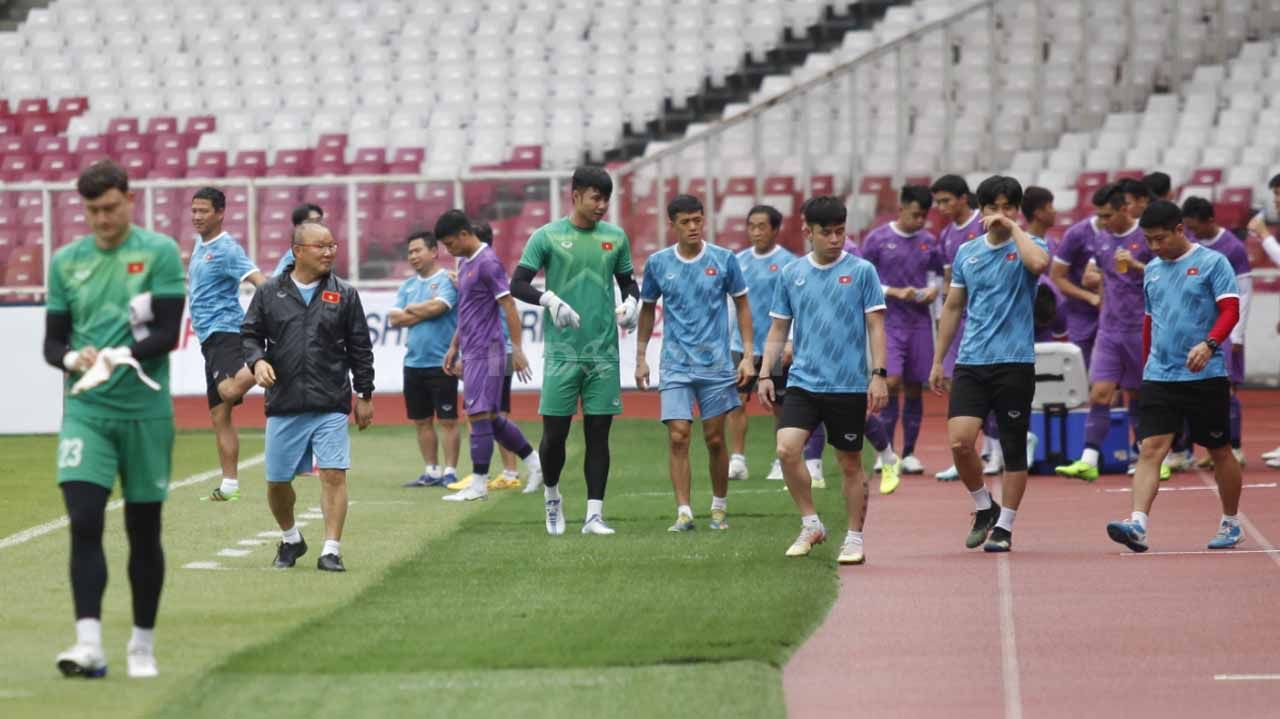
x=113 y=314
x=583 y=257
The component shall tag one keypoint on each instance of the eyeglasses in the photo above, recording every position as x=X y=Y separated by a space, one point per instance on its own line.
x=333 y=247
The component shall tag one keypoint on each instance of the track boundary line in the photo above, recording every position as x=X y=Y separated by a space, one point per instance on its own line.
x=1248 y=525
x=1008 y=642
x=40 y=530
x=1246 y=677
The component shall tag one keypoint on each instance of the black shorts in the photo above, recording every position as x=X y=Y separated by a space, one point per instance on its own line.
x=505 y=404
x=779 y=380
x=429 y=392
x=223 y=358
x=1006 y=390
x=1204 y=405
x=843 y=413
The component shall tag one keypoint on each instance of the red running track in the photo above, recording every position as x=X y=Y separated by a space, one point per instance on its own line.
x=1067 y=625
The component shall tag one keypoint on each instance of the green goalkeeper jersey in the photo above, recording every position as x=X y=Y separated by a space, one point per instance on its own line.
x=96 y=287
x=580 y=266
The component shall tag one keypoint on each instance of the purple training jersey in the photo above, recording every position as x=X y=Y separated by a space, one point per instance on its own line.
x=1074 y=250
x=903 y=260
x=481 y=282
x=851 y=246
x=1121 y=292
x=953 y=235
x=1237 y=254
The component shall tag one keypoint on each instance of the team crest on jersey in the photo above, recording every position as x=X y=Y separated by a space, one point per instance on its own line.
x=1133 y=247
x=711 y=272
x=799 y=282
x=773 y=267
x=208 y=257
x=566 y=244
x=1193 y=272
x=924 y=246
x=135 y=267
x=1011 y=256
x=606 y=246
x=434 y=285
x=972 y=235
x=331 y=297
x=671 y=275
x=892 y=245
x=82 y=275
x=845 y=279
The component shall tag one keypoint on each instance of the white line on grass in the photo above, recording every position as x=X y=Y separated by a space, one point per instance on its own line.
x=1246 y=677
x=233 y=552
x=202 y=565
x=1210 y=488
x=1249 y=527
x=39 y=530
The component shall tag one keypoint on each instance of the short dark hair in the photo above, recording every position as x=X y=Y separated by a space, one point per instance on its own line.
x=100 y=177
x=1137 y=188
x=918 y=194
x=687 y=204
x=484 y=231
x=1159 y=183
x=1114 y=195
x=1197 y=208
x=453 y=222
x=1101 y=194
x=775 y=217
x=1273 y=183
x=303 y=211
x=1033 y=199
x=955 y=184
x=1160 y=214
x=993 y=187
x=213 y=195
x=825 y=211
x=590 y=177
x=428 y=238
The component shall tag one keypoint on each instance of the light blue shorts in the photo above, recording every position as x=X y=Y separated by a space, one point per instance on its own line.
x=679 y=391
x=293 y=439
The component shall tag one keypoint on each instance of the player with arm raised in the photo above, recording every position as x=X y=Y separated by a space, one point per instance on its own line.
x=1078 y=280
x=113 y=314
x=218 y=267
x=583 y=257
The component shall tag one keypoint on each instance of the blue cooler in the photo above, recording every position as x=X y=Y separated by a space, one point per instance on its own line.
x=1060 y=408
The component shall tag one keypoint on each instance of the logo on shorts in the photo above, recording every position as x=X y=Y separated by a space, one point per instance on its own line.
x=845 y=279
x=617 y=402
x=331 y=297
x=1014 y=414
x=281 y=293
x=135 y=267
x=851 y=437
x=1193 y=272
x=773 y=267
x=470 y=402
x=606 y=246
x=1011 y=257
x=1215 y=435
x=447 y=407
x=711 y=272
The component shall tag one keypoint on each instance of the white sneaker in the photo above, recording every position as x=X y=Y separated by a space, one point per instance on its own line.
x=851 y=553
x=595 y=525
x=775 y=472
x=1273 y=454
x=83 y=660
x=994 y=465
x=142 y=663
x=808 y=539
x=555 y=517
x=911 y=465
x=534 y=482
x=737 y=469
x=467 y=494
x=950 y=474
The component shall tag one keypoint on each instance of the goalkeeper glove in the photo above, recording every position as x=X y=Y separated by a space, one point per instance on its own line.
x=628 y=314
x=561 y=313
x=105 y=365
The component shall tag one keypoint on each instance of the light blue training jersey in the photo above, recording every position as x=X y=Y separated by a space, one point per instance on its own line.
x=1000 y=303
x=1182 y=298
x=428 y=341
x=761 y=273
x=214 y=275
x=695 y=318
x=827 y=306
x=285 y=260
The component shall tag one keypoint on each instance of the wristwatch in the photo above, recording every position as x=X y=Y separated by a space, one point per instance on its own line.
x=1213 y=344
x=879 y=372
x=366 y=396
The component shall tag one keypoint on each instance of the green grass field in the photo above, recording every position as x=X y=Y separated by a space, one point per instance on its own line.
x=445 y=610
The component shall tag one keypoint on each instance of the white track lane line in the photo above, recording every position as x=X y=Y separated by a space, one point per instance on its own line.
x=1212 y=487
x=1246 y=677
x=40 y=530
x=1249 y=528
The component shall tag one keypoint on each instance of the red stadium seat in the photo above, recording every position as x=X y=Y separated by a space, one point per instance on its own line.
x=39 y=125
x=1127 y=175
x=1206 y=176
x=87 y=158
x=170 y=164
x=123 y=126
x=92 y=143
x=209 y=163
x=17 y=167
x=69 y=107
x=1232 y=215
x=525 y=157
x=406 y=161
x=370 y=161
x=8 y=219
x=47 y=144
x=779 y=185
x=31 y=217
x=171 y=141
x=24 y=268
x=160 y=125
x=825 y=185
x=331 y=198
x=289 y=163
x=740 y=186
x=399 y=192
x=201 y=124
x=922 y=180
x=28 y=199
x=137 y=163
x=1236 y=196
x=1088 y=183
x=330 y=161
x=33 y=106
x=875 y=185
x=279 y=213
x=248 y=163
x=58 y=167
x=15 y=144
x=123 y=142
x=8 y=126
x=336 y=141
x=5 y=110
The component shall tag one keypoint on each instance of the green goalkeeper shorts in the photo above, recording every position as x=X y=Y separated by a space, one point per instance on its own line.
x=599 y=384
x=140 y=451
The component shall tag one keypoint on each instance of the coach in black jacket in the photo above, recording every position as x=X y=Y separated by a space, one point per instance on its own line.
x=306 y=339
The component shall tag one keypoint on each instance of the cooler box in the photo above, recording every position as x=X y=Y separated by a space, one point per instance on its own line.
x=1061 y=436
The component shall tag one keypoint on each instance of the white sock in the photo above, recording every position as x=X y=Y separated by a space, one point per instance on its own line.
x=510 y=473
x=480 y=482
x=981 y=498
x=229 y=485
x=1007 y=516
x=887 y=455
x=986 y=444
x=1090 y=456
x=532 y=461
x=432 y=471
x=1232 y=519
x=549 y=492
x=143 y=639
x=811 y=521
x=1140 y=518
x=681 y=509
x=720 y=503
x=853 y=537
x=291 y=535
x=450 y=469
x=814 y=466
x=89 y=631
x=331 y=546
x=996 y=456
x=595 y=507
x=738 y=458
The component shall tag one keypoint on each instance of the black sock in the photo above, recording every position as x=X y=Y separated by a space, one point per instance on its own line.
x=555 y=433
x=146 y=560
x=595 y=463
x=86 y=507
